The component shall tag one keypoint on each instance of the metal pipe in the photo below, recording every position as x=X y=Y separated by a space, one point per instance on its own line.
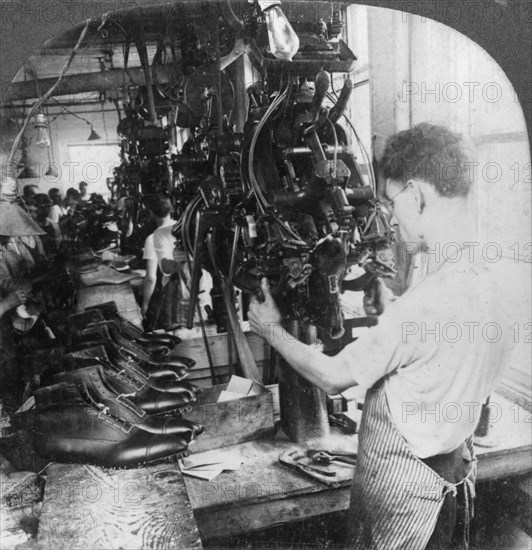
x=143 y=55
x=88 y=82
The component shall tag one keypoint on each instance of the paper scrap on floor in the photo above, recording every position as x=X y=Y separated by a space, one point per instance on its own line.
x=210 y=464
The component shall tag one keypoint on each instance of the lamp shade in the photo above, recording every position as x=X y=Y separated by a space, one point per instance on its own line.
x=94 y=135
x=27 y=173
x=52 y=171
x=14 y=222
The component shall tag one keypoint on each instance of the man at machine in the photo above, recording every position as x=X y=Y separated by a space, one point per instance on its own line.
x=404 y=455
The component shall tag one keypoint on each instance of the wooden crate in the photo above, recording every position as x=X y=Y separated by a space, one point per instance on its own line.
x=200 y=374
x=231 y=422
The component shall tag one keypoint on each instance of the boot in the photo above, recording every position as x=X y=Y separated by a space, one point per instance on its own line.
x=68 y=428
x=92 y=383
x=101 y=334
x=110 y=312
x=150 y=398
x=108 y=329
x=107 y=352
x=78 y=322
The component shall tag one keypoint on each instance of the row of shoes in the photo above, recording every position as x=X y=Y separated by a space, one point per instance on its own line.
x=110 y=395
x=89 y=270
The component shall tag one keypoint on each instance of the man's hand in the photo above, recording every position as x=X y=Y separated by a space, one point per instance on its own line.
x=266 y=313
x=377 y=298
x=15 y=298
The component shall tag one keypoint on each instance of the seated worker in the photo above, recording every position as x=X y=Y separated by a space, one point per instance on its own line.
x=415 y=472
x=20 y=252
x=72 y=199
x=29 y=191
x=16 y=297
x=9 y=373
x=69 y=222
x=58 y=210
x=39 y=209
x=83 y=191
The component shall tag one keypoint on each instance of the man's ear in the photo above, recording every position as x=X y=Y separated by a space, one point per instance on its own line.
x=416 y=188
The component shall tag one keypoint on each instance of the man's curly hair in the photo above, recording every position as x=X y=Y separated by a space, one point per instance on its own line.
x=431 y=153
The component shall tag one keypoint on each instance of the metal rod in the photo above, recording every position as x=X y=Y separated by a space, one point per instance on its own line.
x=143 y=54
x=88 y=82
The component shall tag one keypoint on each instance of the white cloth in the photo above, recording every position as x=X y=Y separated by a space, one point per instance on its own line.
x=149 y=250
x=442 y=348
x=163 y=244
x=57 y=212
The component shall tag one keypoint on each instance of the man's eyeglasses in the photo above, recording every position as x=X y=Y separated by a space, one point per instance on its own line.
x=388 y=203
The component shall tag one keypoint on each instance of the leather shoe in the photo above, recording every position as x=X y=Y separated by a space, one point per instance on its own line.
x=69 y=429
x=110 y=312
x=154 y=399
x=92 y=383
x=105 y=275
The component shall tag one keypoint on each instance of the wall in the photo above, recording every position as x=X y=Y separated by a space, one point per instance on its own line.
x=75 y=157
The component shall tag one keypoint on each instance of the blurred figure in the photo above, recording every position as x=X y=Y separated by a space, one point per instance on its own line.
x=20 y=252
x=83 y=191
x=58 y=210
x=160 y=209
x=39 y=209
x=72 y=199
x=167 y=285
x=15 y=298
x=29 y=191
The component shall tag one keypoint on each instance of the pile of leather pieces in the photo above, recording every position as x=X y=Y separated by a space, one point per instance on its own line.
x=108 y=394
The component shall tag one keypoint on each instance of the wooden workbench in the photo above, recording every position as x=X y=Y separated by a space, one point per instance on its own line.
x=261 y=494
x=122 y=294
x=88 y=507
x=264 y=493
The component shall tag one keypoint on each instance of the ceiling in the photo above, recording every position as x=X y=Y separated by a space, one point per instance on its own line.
x=111 y=42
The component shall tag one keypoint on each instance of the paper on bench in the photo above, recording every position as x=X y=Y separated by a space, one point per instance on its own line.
x=208 y=475
x=210 y=464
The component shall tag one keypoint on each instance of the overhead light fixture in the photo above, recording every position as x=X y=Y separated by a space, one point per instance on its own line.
x=43 y=139
x=284 y=42
x=28 y=171
x=94 y=134
x=52 y=171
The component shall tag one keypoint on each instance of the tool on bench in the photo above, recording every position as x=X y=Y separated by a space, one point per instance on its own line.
x=299 y=462
x=326 y=457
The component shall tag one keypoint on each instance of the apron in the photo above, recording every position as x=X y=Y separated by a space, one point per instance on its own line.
x=395 y=498
x=169 y=305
